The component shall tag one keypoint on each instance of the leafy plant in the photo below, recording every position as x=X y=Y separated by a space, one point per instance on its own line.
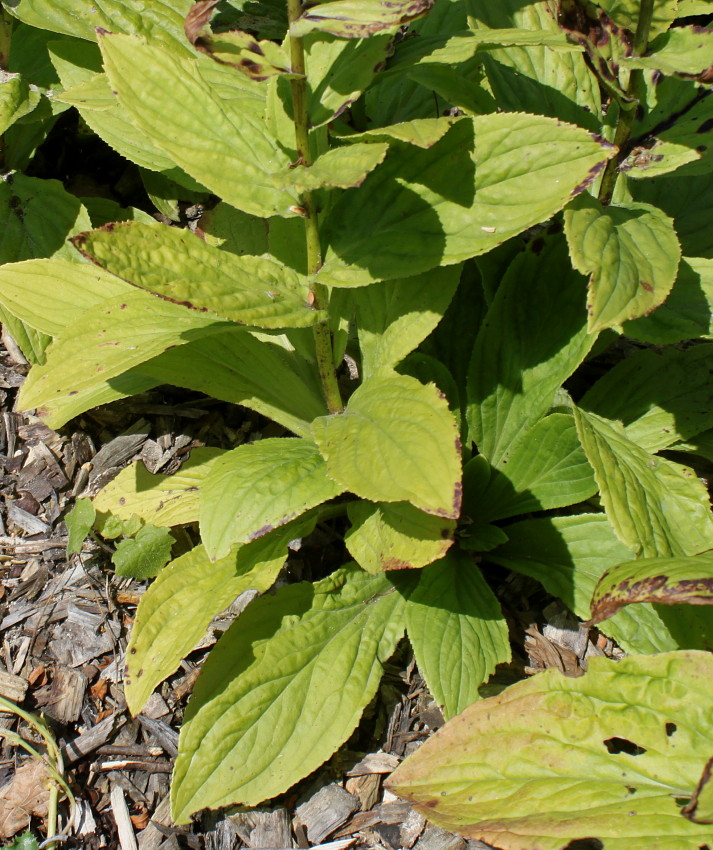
x=477 y=204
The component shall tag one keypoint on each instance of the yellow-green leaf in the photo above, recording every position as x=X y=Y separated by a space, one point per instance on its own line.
x=359 y=18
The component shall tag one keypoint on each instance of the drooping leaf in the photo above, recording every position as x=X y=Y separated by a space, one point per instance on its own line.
x=630 y=252
x=395 y=441
x=144 y=555
x=395 y=536
x=658 y=508
x=219 y=141
x=257 y=487
x=162 y=500
x=343 y=167
x=175 y=611
x=486 y=180
x=626 y=14
x=397 y=315
x=284 y=688
x=668 y=581
x=660 y=396
x=569 y=554
x=179 y=267
x=107 y=341
x=359 y=18
x=681 y=50
x=79 y=520
x=421 y=132
x=234 y=366
x=457 y=631
x=545 y=469
x=515 y=373
x=555 y=760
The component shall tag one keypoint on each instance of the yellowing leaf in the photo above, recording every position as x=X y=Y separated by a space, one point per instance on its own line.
x=631 y=254
x=396 y=536
x=162 y=500
x=284 y=688
x=359 y=18
x=396 y=441
x=554 y=761
x=257 y=487
x=668 y=581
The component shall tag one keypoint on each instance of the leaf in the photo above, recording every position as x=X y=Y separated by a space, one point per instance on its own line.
x=422 y=132
x=700 y=806
x=531 y=340
x=569 y=554
x=161 y=500
x=545 y=469
x=687 y=313
x=660 y=396
x=457 y=631
x=79 y=522
x=24 y=795
x=656 y=507
x=395 y=536
x=343 y=167
x=36 y=217
x=631 y=254
x=626 y=14
x=681 y=50
x=394 y=317
x=32 y=343
x=220 y=142
x=486 y=180
x=180 y=267
x=26 y=841
x=234 y=366
x=589 y=766
x=359 y=18
x=284 y=688
x=144 y=555
x=257 y=487
x=107 y=342
x=16 y=99
x=177 y=608
x=395 y=441
x=668 y=581
x=52 y=294
x=162 y=22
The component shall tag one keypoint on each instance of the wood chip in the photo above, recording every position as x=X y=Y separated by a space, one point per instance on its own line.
x=12 y=687
x=63 y=699
x=88 y=741
x=375 y=763
x=435 y=838
x=326 y=811
x=151 y=838
x=122 y=818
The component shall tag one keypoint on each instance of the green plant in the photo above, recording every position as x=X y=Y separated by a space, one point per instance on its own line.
x=382 y=196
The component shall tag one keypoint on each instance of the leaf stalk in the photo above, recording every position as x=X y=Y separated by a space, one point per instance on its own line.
x=320 y=294
x=627 y=116
x=6 y=22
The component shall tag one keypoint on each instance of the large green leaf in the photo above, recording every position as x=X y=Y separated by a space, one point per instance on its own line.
x=531 y=340
x=176 y=609
x=668 y=581
x=257 y=487
x=660 y=396
x=658 y=508
x=145 y=554
x=161 y=21
x=284 y=688
x=557 y=761
x=359 y=18
x=630 y=252
x=107 y=341
x=457 y=631
x=219 y=141
x=681 y=50
x=158 y=499
x=394 y=317
x=180 y=267
x=569 y=554
x=234 y=366
x=396 y=441
x=545 y=469
x=396 y=536
x=486 y=180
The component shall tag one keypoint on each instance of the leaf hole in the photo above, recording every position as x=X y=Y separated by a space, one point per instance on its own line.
x=670 y=729
x=631 y=789
x=622 y=745
x=584 y=844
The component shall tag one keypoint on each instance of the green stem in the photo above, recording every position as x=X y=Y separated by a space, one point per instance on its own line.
x=6 y=22
x=627 y=116
x=320 y=294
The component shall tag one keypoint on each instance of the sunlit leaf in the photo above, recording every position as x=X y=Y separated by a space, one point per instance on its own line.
x=144 y=555
x=359 y=18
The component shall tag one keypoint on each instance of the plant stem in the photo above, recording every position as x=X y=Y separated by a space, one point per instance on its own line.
x=320 y=294
x=627 y=116
x=5 y=38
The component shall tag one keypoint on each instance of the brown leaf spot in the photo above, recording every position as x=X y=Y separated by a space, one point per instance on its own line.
x=646 y=285
x=198 y=18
